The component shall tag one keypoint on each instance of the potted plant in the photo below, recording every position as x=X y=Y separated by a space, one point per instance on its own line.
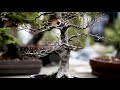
x=109 y=66
x=65 y=22
x=11 y=62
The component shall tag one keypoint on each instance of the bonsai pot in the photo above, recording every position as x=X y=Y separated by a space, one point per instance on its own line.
x=20 y=67
x=108 y=67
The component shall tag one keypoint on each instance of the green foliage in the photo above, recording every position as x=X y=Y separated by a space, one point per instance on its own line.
x=117 y=26
x=76 y=41
x=51 y=37
x=93 y=14
x=6 y=38
x=22 y=17
x=113 y=36
x=80 y=41
x=30 y=18
x=92 y=42
x=46 y=18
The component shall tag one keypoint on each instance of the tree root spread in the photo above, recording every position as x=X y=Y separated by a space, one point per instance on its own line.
x=54 y=75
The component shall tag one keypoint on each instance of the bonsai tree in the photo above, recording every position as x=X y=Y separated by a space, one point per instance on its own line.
x=108 y=66
x=6 y=38
x=10 y=61
x=9 y=22
x=72 y=28
x=114 y=32
x=65 y=22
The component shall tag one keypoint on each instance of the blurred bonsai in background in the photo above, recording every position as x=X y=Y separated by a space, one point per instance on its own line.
x=113 y=34
x=17 y=18
x=9 y=21
x=6 y=38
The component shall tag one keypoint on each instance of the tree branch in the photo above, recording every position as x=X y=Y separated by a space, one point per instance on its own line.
x=91 y=23
x=78 y=35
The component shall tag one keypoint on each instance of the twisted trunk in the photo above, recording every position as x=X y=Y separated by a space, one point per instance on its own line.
x=64 y=64
x=64 y=56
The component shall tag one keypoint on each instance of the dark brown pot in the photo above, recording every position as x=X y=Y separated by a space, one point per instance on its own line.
x=105 y=68
x=14 y=67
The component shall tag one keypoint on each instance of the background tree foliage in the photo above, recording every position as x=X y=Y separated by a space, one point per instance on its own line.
x=113 y=33
x=21 y=17
x=16 y=18
x=6 y=38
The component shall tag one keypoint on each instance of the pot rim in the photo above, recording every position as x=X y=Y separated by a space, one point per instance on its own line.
x=101 y=61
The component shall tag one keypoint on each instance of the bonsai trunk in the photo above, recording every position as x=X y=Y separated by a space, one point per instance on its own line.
x=118 y=53
x=64 y=54
x=64 y=64
x=117 y=46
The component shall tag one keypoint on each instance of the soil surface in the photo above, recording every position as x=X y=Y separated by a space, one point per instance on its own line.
x=6 y=58
x=108 y=59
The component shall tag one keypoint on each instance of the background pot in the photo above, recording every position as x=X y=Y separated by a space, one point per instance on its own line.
x=14 y=67
x=105 y=68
